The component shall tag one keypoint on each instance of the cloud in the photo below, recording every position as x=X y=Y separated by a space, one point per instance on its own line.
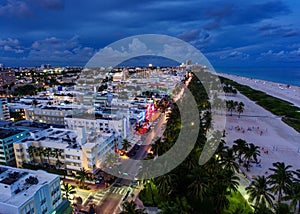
x=231 y=13
x=49 y=4
x=16 y=50
x=58 y=50
x=280 y=55
x=14 y=8
x=27 y=8
x=235 y=55
x=196 y=37
x=137 y=46
x=54 y=43
x=295 y=53
x=270 y=30
x=11 y=45
x=9 y=41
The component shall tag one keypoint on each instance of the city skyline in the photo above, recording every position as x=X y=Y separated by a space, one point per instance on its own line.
x=71 y=32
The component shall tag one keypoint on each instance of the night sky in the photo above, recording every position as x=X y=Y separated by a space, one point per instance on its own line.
x=228 y=33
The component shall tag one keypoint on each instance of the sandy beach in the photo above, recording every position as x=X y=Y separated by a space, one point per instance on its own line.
x=286 y=92
x=277 y=140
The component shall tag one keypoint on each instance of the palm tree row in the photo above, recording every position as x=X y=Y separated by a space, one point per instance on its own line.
x=282 y=184
x=45 y=152
x=246 y=153
x=231 y=106
x=228 y=89
x=191 y=188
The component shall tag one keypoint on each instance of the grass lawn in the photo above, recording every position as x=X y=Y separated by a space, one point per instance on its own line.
x=237 y=204
x=290 y=114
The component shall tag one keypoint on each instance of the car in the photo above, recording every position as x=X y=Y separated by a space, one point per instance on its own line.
x=117 y=184
x=98 y=181
x=131 y=154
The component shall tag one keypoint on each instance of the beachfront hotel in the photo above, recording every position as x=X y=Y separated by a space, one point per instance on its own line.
x=67 y=149
x=28 y=192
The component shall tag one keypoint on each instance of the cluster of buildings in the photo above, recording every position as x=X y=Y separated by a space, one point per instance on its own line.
x=73 y=127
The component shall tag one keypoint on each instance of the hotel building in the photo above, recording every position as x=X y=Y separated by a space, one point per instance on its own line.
x=73 y=149
x=29 y=192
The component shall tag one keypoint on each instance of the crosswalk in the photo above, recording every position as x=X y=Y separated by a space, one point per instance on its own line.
x=97 y=197
x=119 y=190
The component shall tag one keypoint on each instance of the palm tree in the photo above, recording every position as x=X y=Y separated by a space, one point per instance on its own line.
x=67 y=190
x=199 y=185
x=228 y=160
x=259 y=192
x=230 y=106
x=180 y=205
x=131 y=208
x=57 y=153
x=230 y=180
x=294 y=197
x=192 y=160
x=282 y=208
x=31 y=152
x=82 y=175
x=40 y=152
x=239 y=147
x=125 y=145
x=281 y=179
x=165 y=184
x=262 y=209
x=149 y=183
x=240 y=108
x=48 y=153
x=252 y=152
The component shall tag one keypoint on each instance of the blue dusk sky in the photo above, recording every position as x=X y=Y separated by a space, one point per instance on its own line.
x=229 y=33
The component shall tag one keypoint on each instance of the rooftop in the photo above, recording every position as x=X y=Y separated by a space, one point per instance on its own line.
x=5 y=133
x=65 y=138
x=17 y=185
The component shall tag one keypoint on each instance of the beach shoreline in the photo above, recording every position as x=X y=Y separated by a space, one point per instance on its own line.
x=278 y=142
x=287 y=92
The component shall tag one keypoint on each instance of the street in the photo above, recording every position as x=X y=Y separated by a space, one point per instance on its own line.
x=109 y=201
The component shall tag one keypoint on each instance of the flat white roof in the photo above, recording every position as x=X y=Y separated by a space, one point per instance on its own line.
x=26 y=190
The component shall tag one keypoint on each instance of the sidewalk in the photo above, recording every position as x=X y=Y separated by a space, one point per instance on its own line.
x=93 y=187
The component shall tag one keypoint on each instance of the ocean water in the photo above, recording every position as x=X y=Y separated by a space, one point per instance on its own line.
x=286 y=75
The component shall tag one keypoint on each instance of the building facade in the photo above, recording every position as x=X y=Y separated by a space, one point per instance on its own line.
x=4 y=110
x=29 y=192
x=65 y=149
x=48 y=114
x=7 y=77
x=7 y=138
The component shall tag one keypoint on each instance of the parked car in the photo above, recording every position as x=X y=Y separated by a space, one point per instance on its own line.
x=136 y=147
x=99 y=180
